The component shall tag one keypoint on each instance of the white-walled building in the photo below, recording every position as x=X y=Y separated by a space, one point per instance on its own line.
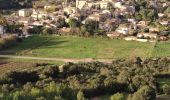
x=1 y=29
x=24 y=12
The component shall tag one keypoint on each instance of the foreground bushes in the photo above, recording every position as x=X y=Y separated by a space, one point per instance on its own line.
x=51 y=91
x=92 y=79
x=14 y=77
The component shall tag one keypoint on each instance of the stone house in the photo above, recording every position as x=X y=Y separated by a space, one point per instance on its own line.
x=153 y=29
x=113 y=34
x=142 y=23
x=147 y=35
x=25 y=12
x=36 y=15
x=70 y=10
x=80 y=4
x=98 y=17
x=108 y=25
x=164 y=22
x=103 y=4
x=2 y=29
x=123 y=29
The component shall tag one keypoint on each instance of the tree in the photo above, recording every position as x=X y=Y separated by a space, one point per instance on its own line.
x=145 y=93
x=118 y=96
x=165 y=89
x=47 y=31
x=143 y=12
x=91 y=26
x=61 y=23
x=73 y=23
x=51 y=71
x=124 y=77
x=133 y=32
x=142 y=3
x=152 y=15
x=80 y=95
x=35 y=30
x=167 y=10
x=145 y=30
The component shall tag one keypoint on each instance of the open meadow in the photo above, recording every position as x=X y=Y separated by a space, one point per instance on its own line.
x=79 y=47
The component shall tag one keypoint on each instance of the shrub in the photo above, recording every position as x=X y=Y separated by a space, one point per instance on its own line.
x=118 y=96
x=47 y=31
x=145 y=93
x=165 y=89
x=145 y=30
x=80 y=96
x=51 y=71
x=35 y=30
x=19 y=77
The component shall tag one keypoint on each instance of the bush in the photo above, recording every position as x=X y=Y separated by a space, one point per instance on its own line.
x=80 y=96
x=145 y=93
x=19 y=77
x=118 y=96
x=51 y=71
x=35 y=30
x=165 y=89
x=47 y=31
x=145 y=30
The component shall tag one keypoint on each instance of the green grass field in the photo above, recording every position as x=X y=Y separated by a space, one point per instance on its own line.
x=79 y=47
x=163 y=81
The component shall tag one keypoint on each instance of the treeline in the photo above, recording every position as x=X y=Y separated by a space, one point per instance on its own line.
x=86 y=80
x=15 y=4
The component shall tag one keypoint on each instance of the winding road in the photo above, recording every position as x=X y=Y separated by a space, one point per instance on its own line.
x=56 y=59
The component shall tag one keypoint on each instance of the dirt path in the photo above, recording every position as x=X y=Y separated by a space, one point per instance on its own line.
x=56 y=59
x=163 y=97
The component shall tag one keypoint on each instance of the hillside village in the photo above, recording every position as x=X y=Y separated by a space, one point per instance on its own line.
x=85 y=49
x=129 y=19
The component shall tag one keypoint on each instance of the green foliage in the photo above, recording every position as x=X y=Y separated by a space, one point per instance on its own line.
x=166 y=89
x=19 y=77
x=80 y=96
x=91 y=26
x=124 y=77
x=51 y=71
x=14 y=28
x=47 y=31
x=145 y=93
x=145 y=30
x=73 y=23
x=118 y=96
x=51 y=91
x=61 y=23
x=93 y=78
x=133 y=32
x=35 y=30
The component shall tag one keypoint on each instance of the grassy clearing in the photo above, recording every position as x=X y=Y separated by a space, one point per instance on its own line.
x=163 y=81
x=78 y=47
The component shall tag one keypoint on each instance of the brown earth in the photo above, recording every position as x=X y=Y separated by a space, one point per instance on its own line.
x=11 y=65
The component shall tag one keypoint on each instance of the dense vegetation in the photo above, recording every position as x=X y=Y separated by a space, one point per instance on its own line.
x=7 y=41
x=15 y=4
x=134 y=77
